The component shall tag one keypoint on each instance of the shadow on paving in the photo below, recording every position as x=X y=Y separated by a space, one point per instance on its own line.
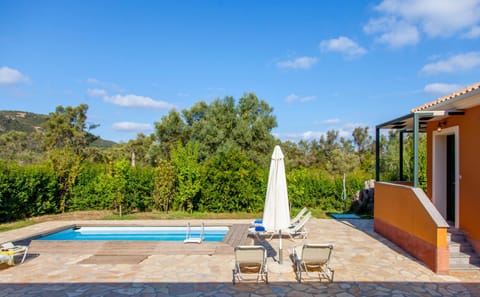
x=312 y=288
x=366 y=226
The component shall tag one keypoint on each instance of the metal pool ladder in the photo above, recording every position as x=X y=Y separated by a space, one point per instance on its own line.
x=190 y=239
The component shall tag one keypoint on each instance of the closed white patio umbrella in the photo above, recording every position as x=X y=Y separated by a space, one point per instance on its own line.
x=276 y=214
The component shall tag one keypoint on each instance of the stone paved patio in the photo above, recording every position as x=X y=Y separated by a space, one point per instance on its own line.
x=365 y=265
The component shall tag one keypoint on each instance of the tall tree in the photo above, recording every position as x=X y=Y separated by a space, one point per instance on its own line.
x=66 y=127
x=365 y=148
x=219 y=125
x=168 y=132
x=187 y=168
x=65 y=140
x=254 y=126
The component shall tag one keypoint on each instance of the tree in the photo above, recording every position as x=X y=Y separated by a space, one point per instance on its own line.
x=65 y=141
x=212 y=125
x=168 y=132
x=254 y=126
x=232 y=182
x=219 y=125
x=20 y=146
x=389 y=152
x=66 y=127
x=187 y=168
x=364 y=144
x=164 y=185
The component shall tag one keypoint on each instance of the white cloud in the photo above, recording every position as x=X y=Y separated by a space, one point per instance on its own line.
x=10 y=76
x=456 y=63
x=435 y=18
x=96 y=93
x=330 y=121
x=393 y=32
x=441 y=88
x=132 y=127
x=473 y=33
x=308 y=135
x=137 y=101
x=93 y=81
x=105 y=85
x=294 y=98
x=343 y=45
x=298 y=63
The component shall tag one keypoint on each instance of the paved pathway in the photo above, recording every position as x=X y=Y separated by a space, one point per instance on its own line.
x=365 y=265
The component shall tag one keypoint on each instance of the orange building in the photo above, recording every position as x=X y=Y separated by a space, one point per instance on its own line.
x=442 y=226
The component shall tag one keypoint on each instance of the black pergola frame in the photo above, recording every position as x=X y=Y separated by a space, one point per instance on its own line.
x=415 y=122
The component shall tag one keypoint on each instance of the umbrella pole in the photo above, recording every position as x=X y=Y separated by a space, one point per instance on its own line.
x=280 y=249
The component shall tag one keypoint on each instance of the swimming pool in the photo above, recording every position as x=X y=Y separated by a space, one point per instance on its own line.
x=214 y=234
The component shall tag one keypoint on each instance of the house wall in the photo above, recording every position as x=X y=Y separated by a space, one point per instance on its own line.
x=407 y=217
x=469 y=170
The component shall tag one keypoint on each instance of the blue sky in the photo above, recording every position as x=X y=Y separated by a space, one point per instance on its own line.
x=321 y=65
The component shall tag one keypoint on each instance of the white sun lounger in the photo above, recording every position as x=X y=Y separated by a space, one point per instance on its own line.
x=10 y=248
x=250 y=263
x=314 y=261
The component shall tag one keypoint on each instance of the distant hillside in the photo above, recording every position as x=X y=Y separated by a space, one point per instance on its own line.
x=20 y=121
x=29 y=122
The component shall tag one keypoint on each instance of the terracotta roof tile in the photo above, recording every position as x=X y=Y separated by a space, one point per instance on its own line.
x=448 y=97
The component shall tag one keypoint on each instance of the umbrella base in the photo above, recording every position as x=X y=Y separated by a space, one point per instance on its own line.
x=275 y=267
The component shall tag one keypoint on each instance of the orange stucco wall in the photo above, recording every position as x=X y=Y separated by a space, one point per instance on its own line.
x=402 y=218
x=469 y=170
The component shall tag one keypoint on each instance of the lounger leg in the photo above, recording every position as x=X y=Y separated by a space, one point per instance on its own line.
x=24 y=255
x=299 y=272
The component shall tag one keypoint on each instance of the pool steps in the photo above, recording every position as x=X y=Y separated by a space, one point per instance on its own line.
x=190 y=239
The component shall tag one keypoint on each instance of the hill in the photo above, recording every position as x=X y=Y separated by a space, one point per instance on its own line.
x=29 y=122
x=20 y=121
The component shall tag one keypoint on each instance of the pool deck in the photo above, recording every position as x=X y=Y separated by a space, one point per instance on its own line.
x=365 y=264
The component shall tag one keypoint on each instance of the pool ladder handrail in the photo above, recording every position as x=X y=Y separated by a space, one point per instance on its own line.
x=190 y=239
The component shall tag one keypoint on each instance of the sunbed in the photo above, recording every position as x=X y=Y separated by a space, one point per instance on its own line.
x=313 y=260
x=250 y=263
x=10 y=248
x=299 y=228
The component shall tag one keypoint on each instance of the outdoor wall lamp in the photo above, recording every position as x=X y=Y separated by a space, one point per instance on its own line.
x=441 y=125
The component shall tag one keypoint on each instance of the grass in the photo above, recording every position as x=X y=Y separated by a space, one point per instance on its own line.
x=109 y=215
x=15 y=225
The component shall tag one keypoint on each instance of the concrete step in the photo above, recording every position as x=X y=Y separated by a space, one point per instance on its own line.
x=464 y=258
x=457 y=237
x=457 y=247
x=462 y=255
x=464 y=267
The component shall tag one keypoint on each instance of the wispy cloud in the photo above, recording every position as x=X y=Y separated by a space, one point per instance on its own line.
x=343 y=45
x=401 y=21
x=308 y=135
x=298 y=63
x=105 y=85
x=131 y=100
x=330 y=121
x=10 y=76
x=458 y=63
x=393 y=32
x=473 y=33
x=441 y=88
x=132 y=127
x=96 y=93
x=294 y=98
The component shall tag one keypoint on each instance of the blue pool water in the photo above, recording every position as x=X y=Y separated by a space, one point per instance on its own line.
x=136 y=233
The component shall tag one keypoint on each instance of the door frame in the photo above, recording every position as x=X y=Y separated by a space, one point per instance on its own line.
x=439 y=168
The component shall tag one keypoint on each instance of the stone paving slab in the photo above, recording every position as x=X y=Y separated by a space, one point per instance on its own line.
x=365 y=264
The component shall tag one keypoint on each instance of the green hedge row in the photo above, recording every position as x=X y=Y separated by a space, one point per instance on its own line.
x=228 y=182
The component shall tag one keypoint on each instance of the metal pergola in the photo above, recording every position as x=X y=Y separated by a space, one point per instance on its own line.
x=415 y=122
